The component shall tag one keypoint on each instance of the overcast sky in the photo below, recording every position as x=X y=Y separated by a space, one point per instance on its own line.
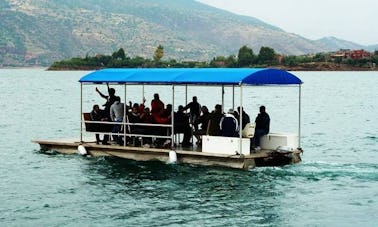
x=355 y=21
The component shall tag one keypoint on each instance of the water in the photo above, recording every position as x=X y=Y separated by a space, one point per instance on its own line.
x=335 y=185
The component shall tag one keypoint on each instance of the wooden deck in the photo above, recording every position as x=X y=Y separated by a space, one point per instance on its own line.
x=191 y=155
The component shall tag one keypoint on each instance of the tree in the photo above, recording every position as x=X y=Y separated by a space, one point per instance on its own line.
x=119 y=55
x=231 y=61
x=159 y=53
x=245 y=56
x=266 y=56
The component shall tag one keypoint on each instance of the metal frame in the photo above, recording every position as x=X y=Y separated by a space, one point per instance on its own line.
x=172 y=113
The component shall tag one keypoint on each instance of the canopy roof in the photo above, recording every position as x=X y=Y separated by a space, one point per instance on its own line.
x=199 y=76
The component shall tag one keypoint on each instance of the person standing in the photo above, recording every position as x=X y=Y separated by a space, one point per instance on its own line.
x=156 y=105
x=204 y=121
x=262 y=127
x=110 y=99
x=195 y=111
x=116 y=114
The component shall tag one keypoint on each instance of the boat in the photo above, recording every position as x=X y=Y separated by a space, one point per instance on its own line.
x=277 y=149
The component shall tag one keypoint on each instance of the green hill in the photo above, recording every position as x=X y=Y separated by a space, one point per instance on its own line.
x=39 y=32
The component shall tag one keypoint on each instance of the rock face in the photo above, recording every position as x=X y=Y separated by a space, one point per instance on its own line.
x=38 y=32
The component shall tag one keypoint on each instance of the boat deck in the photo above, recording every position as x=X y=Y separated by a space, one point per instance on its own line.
x=187 y=155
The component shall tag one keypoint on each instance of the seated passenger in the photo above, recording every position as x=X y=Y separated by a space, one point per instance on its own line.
x=162 y=117
x=98 y=115
x=215 y=117
x=262 y=127
x=181 y=125
x=204 y=121
x=134 y=117
x=245 y=118
x=229 y=125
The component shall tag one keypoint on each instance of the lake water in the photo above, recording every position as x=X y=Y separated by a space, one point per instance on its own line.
x=335 y=185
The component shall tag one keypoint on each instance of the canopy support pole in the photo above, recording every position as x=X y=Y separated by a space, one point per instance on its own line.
x=233 y=97
x=241 y=120
x=81 y=112
x=222 y=98
x=143 y=92
x=124 y=116
x=173 y=118
x=186 y=94
x=299 y=115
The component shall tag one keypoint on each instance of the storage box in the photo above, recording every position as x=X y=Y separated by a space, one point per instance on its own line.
x=273 y=140
x=225 y=145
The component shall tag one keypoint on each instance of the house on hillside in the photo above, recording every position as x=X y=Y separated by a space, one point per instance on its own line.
x=345 y=54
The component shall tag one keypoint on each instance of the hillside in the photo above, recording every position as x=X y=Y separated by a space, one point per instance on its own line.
x=38 y=32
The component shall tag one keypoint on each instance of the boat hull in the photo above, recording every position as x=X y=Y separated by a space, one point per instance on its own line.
x=185 y=156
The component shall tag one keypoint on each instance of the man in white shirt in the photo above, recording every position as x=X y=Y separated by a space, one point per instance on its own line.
x=117 y=114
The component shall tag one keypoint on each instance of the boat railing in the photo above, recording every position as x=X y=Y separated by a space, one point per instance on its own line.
x=128 y=133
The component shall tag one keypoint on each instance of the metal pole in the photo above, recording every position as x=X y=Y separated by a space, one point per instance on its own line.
x=240 y=120
x=186 y=94
x=233 y=97
x=124 y=118
x=173 y=118
x=299 y=116
x=222 y=98
x=81 y=112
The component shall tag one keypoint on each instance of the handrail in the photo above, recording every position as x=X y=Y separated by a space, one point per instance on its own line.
x=132 y=124
x=127 y=123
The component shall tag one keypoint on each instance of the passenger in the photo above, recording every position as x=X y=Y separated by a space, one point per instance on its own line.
x=229 y=125
x=156 y=104
x=110 y=99
x=134 y=117
x=262 y=127
x=163 y=117
x=215 y=118
x=98 y=115
x=116 y=114
x=142 y=106
x=204 y=121
x=245 y=118
x=181 y=125
x=146 y=118
x=195 y=111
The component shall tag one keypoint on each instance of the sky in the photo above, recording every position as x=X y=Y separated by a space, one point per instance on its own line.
x=355 y=21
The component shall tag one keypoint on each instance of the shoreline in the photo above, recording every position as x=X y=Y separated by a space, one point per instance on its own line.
x=318 y=67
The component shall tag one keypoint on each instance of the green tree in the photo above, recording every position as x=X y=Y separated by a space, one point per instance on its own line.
x=159 y=53
x=231 y=61
x=119 y=55
x=290 y=61
x=245 y=56
x=267 y=56
x=319 y=57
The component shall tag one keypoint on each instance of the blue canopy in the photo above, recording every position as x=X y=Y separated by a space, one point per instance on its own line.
x=199 y=76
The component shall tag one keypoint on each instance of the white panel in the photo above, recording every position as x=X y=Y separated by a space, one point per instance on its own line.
x=224 y=145
x=273 y=140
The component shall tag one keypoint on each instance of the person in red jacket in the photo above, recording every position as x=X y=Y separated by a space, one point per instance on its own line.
x=156 y=104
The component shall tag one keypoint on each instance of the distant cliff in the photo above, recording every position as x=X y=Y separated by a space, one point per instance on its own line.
x=39 y=32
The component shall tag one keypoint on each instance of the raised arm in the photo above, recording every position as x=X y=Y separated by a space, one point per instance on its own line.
x=102 y=95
